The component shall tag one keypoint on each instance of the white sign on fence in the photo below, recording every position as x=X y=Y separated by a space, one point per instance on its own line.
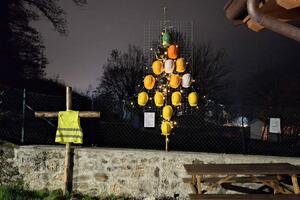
x=149 y=119
x=275 y=125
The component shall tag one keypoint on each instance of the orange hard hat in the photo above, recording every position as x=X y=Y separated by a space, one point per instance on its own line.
x=172 y=51
x=175 y=81
x=149 y=82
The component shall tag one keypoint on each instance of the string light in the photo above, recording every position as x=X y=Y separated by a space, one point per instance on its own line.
x=163 y=86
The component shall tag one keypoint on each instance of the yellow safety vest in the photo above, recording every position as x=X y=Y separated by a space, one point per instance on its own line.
x=68 y=129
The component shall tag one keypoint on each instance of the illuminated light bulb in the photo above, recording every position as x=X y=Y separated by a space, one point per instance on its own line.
x=181 y=91
x=166 y=53
x=175 y=123
x=131 y=103
x=151 y=49
x=197 y=107
x=150 y=98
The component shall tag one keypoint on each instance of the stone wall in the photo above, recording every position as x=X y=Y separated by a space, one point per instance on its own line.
x=9 y=174
x=137 y=173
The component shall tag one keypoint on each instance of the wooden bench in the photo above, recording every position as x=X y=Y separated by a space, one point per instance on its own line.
x=243 y=196
x=270 y=176
x=235 y=180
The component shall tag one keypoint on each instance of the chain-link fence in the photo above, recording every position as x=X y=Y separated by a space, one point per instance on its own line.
x=210 y=128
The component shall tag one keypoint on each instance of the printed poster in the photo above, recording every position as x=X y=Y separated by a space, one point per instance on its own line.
x=149 y=119
x=275 y=125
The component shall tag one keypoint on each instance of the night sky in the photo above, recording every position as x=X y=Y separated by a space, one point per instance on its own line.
x=97 y=28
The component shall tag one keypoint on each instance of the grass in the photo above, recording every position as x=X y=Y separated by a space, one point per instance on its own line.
x=18 y=192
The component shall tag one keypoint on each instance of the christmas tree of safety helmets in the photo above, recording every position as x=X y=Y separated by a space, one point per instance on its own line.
x=166 y=82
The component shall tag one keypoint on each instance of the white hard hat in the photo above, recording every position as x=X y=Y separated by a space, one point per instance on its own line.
x=169 y=66
x=186 y=80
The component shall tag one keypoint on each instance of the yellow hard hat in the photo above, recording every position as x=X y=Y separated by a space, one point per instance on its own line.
x=167 y=112
x=149 y=82
x=159 y=99
x=193 y=99
x=157 y=67
x=142 y=98
x=176 y=98
x=180 y=65
x=166 y=128
x=172 y=51
x=175 y=81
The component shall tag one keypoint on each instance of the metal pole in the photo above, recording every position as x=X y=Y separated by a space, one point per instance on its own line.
x=167 y=143
x=243 y=136
x=67 y=178
x=23 y=115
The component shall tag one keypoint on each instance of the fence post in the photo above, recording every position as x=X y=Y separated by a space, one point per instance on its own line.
x=93 y=102
x=23 y=115
x=243 y=136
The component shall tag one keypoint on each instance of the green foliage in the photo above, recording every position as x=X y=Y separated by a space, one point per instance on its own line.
x=115 y=197
x=22 y=48
x=18 y=192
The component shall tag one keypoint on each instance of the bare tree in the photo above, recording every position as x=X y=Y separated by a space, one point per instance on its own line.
x=209 y=70
x=122 y=74
x=21 y=48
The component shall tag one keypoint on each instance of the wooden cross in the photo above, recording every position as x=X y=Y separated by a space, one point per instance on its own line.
x=83 y=114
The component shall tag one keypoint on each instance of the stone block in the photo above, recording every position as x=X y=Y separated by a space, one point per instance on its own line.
x=102 y=177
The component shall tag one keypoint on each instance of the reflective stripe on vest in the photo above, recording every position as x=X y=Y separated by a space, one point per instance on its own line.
x=69 y=130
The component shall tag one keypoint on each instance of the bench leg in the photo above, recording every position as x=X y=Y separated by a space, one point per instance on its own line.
x=193 y=185
x=199 y=186
x=295 y=184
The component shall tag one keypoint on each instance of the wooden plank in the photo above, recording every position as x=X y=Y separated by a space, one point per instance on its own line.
x=244 y=179
x=288 y=4
x=295 y=184
x=271 y=8
x=199 y=184
x=67 y=169
x=243 y=196
x=232 y=169
x=82 y=114
x=254 y=26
